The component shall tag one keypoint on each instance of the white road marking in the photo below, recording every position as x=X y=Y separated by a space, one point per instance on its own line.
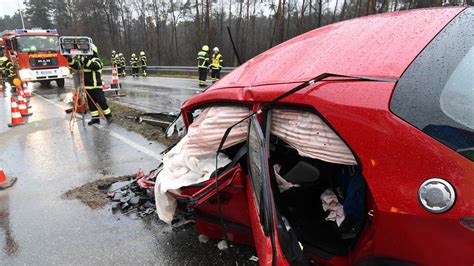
x=114 y=134
x=129 y=142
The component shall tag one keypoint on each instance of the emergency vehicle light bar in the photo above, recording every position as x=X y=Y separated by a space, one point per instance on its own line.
x=35 y=30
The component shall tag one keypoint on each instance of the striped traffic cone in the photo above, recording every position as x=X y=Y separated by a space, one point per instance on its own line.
x=16 y=115
x=115 y=80
x=27 y=102
x=22 y=106
x=116 y=83
x=20 y=91
x=4 y=181
x=26 y=90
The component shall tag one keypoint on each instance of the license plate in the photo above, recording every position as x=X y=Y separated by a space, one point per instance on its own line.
x=46 y=72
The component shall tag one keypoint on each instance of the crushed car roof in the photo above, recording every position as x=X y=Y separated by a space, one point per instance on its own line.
x=378 y=46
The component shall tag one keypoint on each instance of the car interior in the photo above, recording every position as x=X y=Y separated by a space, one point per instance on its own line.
x=299 y=199
x=301 y=205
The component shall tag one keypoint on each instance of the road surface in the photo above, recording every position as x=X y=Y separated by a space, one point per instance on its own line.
x=157 y=94
x=48 y=156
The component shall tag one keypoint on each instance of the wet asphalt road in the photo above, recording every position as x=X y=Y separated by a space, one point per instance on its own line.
x=156 y=94
x=49 y=157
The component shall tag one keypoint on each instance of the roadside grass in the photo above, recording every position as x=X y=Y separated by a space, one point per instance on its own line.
x=122 y=116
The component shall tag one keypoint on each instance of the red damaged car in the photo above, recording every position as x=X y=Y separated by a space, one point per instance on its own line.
x=350 y=144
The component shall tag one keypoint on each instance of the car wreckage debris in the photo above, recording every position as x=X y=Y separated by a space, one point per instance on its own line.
x=136 y=196
x=162 y=120
x=128 y=196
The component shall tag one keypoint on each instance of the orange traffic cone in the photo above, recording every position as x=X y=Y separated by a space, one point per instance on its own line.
x=115 y=80
x=26 y=90
x=116 y=83
x=16 y=115
x=22 y=106
x=4 y=181
x=80 y=105
x=27 y=102
x=20 y=91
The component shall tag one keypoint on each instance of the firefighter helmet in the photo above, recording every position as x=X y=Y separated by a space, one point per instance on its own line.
x=142 y=53
x=215 y=49
x=113 y=52
x=133 y=55
x=205 y=48
x=120 y=54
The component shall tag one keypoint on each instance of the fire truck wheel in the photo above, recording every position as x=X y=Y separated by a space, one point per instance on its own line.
x=45 y=83
x=60 y=82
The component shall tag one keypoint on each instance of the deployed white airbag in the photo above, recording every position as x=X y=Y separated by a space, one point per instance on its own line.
x=310 y=136
x=206 y=132
x=193 y=159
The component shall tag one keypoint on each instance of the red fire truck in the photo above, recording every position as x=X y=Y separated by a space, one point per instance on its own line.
x=35 y=55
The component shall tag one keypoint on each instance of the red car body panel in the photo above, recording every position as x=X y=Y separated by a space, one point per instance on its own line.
x=232 y=198
x=395 y=157
x=371 y=46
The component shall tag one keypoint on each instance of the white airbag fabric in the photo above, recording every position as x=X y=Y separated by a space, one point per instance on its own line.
x=206 y=132
x=310 y=136
x=193 y=159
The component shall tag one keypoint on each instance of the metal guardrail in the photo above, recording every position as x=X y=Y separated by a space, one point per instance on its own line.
x=173 y=68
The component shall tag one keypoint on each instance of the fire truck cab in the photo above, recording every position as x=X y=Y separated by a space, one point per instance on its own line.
x=35 y=55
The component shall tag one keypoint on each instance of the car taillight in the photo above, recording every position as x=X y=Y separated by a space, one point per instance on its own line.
x=468 y=222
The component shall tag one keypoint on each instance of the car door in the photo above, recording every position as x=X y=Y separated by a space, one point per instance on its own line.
x=260 y=200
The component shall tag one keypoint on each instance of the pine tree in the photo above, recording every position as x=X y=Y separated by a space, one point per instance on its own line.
x=10 y=22
x=61 y=15
x=38 y=13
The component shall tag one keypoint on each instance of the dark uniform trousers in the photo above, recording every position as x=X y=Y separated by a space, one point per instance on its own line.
x=99 y=98
x=202 y=75
x=215 y=74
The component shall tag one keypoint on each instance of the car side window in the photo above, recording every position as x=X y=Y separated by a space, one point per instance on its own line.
x=436 y=92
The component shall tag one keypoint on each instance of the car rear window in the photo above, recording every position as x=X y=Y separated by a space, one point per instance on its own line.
x=436 y=92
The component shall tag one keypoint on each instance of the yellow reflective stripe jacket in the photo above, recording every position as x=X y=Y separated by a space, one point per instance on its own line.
x=203 y=59
x=216 y=61
x=92 y=70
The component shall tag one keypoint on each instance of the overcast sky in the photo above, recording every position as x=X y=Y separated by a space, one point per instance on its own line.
x=9 y=7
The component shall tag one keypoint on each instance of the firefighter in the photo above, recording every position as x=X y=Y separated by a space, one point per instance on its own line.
x=203 y=63
x=92 y=67
x=123 y=64
x=216 y=65
x=113 y=59
x=3 y=64
x=143 y=62
x=7 y=69
x=120 y=61
x=135 y=66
